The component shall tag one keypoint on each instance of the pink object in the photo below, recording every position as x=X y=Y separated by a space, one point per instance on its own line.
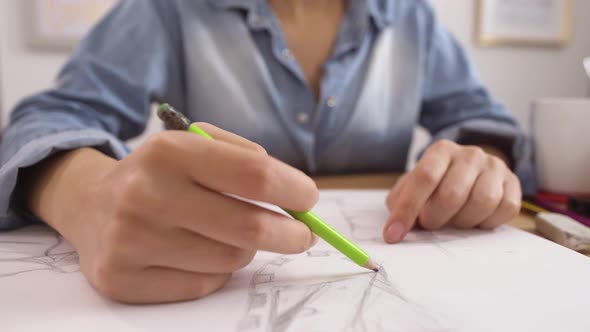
x=555 y=208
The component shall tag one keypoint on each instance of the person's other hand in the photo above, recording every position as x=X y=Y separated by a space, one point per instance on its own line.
x=461 y=186
x=158 y=226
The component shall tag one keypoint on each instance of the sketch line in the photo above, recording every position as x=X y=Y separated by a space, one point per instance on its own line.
x=370 y=302
x=362 y=303
x=41 y=255
x=282 y=322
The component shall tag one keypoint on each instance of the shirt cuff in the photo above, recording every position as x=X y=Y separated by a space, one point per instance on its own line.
x=12 y=214
x=506 y=137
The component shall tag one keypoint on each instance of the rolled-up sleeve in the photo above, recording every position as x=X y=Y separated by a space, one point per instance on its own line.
x=457 y=106
x=102 y=95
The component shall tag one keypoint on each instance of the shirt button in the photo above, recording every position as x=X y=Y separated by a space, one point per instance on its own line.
x=331 y=101
x=302 y=118
x=287 y=54
x=258 y=21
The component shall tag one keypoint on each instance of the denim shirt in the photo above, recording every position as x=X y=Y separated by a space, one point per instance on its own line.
x=226 y=62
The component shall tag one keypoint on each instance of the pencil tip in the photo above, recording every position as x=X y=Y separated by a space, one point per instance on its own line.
x=371 y=265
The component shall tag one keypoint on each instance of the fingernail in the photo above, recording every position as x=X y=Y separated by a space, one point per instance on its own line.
x=314 y=240
x=395 y=232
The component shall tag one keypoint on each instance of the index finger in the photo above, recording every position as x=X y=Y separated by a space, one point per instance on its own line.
x=418 y=186
x=229 y=137
x=226 y=168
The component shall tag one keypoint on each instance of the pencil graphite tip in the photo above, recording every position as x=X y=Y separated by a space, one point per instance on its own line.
x=371 y=265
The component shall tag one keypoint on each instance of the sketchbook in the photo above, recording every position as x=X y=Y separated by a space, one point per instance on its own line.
x=448 y=280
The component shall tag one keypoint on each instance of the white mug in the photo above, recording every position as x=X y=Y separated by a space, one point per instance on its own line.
x=561 y=133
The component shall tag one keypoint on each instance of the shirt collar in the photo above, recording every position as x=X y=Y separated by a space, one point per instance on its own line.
x=227 y=4
x=379 y=13
x=362 y=16
x=376 y=8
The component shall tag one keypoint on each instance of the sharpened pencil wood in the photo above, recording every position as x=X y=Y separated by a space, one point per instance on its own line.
x=371 y=265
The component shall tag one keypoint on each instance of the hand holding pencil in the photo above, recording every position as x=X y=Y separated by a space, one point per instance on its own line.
x=157 y=226
x=175 y=120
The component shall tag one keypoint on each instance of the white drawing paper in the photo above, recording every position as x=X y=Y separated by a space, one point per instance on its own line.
x=449 y=280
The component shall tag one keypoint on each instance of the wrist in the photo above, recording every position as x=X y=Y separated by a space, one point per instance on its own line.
x=59 y=189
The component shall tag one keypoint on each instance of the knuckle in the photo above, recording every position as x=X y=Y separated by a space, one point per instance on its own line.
x=473 y=154
x=201 y=287
x=490 y=224
x=261 y=173
x=238 y=258
x=486 y=200
x=107 y=277
x=255 y=230
x=258 y=148
x=496 y=163
x=426 y=175
x=443 y=145
x=311 y=194
x=450 y=196
x=132 y=186
x=511 y=207
x=512 y=177
x=130 y=196
x=428 y=220
x=303 y=243
x=156 y=144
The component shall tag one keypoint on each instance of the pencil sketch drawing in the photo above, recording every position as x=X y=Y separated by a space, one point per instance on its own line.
x=37 y=248
x=279 y=299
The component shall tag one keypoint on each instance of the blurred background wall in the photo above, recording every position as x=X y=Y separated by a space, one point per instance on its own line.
x=518 y=75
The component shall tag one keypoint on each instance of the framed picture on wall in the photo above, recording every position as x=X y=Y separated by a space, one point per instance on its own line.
x=60 y=24
x=523 y=22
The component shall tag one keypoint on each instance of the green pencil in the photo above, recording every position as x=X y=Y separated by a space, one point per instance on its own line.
x=176 y=120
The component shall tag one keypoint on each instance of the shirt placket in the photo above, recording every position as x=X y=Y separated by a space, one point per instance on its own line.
x=337 y=73
x=297 y=107
x=303 y=114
